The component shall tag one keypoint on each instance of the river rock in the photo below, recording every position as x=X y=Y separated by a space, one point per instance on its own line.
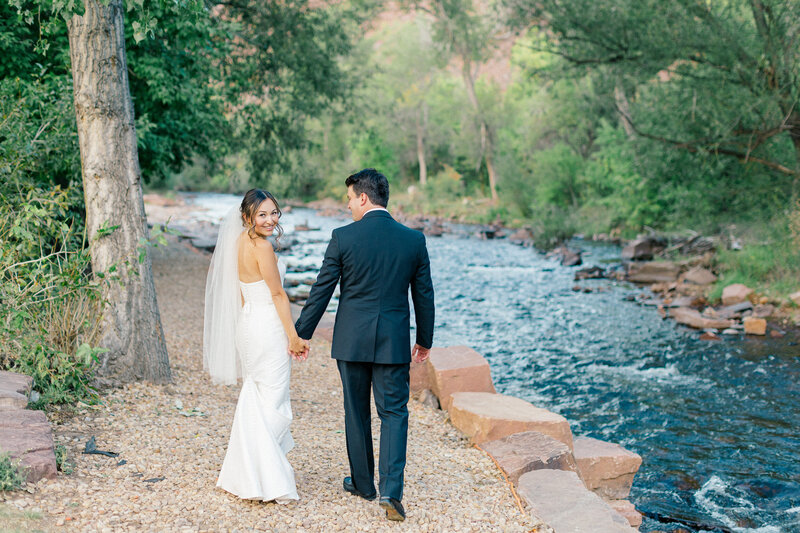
x=755 y=326
x=560 y=499
x=521 y=236
x=626 y=509
x=484 y=416
x=427 y=397
x=735 y=293
x=458 y=369
x=699 y=276
x=733 y=311
x=27 y=436
x=653 y=272
x=593 y=272
x=606 y=468
x=693 y=318
x=641 y=249
x=795 y=297
x=763 y=311
x=570 y=258
x=530 y=450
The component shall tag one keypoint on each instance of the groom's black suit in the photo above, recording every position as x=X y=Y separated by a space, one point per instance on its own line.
x=376 y=260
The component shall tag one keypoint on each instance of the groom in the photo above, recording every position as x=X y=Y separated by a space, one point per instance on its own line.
x=376 y=260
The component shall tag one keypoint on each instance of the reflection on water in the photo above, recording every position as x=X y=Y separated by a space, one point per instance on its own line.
x=715 y=422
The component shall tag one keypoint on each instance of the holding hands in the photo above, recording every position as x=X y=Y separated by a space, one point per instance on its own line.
x=298 y=348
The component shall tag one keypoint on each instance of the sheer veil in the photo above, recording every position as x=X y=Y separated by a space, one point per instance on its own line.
x=222 y=304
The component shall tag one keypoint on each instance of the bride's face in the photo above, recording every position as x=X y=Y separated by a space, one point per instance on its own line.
x=266 y=218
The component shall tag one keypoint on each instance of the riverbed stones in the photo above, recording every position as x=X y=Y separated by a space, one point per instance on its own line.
x=26 y=435
x=735 y=293
x=641 y=249
x=530 y=450
x=559 y=498
x=734 y=310
x=458 y=369
x=653 y=272
x=699 y=276
x=605 y=467
x=484 y=416
x=755 y=326
x=693 y=318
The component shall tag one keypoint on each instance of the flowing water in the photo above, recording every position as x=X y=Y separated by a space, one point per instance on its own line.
x=716 y=422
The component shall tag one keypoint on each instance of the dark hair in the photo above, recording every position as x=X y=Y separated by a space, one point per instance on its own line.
x=250 y=203
x=371 y=182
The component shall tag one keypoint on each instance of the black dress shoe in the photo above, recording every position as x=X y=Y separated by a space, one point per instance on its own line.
x=394 y=509
x=351 y=488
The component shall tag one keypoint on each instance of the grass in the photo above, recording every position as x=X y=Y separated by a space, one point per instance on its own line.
x=13 y=520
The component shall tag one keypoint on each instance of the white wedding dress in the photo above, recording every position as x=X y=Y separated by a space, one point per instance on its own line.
x=255 y=465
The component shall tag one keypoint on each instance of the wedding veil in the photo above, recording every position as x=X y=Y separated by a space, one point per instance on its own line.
x=223 y=301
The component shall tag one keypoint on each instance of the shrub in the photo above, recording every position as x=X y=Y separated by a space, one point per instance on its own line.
x=12 y=475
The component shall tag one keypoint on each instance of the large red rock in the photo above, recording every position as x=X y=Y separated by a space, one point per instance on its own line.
x=626 y=509
x=530 y=450
x=653 y=272
x=735 y=293
x=559 y=499
x=606 y=468
x=27 y=436
x=755 y=326
x=419 y=377
x=458 y=369
x=693 y=318
x=14 y=390
x=484 y=416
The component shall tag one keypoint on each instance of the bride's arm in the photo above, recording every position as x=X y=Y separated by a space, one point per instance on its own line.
x=268 y=267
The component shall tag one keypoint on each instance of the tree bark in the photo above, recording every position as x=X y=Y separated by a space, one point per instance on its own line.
x=422 y=124
x=113 y=193
x=487 y=144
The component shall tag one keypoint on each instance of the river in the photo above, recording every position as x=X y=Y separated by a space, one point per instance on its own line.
x=716 y=422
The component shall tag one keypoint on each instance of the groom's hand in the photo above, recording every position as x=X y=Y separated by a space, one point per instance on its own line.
x=419 y=354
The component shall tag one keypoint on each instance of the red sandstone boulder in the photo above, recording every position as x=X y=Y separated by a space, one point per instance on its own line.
x=755 y=326
x=14 y=390
x=735 y=293
x=484 y=416
x=653 y=272
x=458 y=369
x=419 y=377
x=27 y=436
x=530 y=450
x=559 y=499
x=606 y=468
x=626 y=509
x=693 y=318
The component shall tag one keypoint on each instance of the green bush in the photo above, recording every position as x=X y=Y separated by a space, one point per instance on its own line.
x=12 y=476
x=63 y=463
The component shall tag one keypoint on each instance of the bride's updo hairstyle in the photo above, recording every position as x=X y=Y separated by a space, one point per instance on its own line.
x=249 y=208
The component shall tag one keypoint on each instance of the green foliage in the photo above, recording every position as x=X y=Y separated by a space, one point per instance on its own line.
x=63 y=462
x=12 y=476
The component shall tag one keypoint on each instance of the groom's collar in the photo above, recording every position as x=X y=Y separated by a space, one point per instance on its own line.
x=377 y=211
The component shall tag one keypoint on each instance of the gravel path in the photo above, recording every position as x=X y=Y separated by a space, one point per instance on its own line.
x=171 y=441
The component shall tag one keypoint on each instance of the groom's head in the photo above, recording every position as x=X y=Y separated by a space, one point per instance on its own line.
x=366 y=190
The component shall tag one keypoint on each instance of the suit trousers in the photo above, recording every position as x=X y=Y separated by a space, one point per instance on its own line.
x=389 y=385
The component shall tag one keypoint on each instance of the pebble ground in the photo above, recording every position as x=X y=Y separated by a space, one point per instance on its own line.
x=171 y=440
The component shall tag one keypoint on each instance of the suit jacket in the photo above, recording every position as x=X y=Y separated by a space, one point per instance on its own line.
x=376 y=260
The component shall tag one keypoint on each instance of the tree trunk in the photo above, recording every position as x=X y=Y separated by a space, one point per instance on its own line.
x=487 y=144
x=625 y=111
x=422 y=123
x=113 y=192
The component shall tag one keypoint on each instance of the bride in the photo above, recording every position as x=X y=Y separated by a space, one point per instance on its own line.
x=249 y=332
